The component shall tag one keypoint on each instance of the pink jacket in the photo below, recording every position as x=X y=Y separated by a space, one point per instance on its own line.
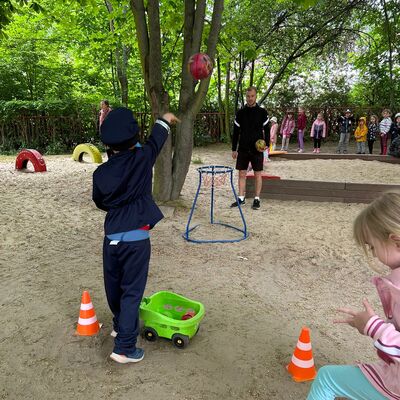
x=385 y=374
x=103 y=114
x=287 y=126
x=273 y=133
x=318 y=122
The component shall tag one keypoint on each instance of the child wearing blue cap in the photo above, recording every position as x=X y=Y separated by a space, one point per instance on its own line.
x=122 y=186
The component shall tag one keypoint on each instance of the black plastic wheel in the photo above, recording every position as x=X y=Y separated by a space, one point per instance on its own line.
x=150 y=334
x=180 y=341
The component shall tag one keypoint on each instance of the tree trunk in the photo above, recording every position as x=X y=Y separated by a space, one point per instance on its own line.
x=170 y=171
x=252 y=73
x=121 y=60
x=390 y=46
x=182 y=159
x=238 y=91
x=162 y=173
x=114 y=85
x=227 y=94
x=220 y=102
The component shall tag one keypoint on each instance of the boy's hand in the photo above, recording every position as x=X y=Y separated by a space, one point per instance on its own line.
x=171 y=118
x=355 y=319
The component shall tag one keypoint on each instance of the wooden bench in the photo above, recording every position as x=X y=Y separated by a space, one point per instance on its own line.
x=286 y=189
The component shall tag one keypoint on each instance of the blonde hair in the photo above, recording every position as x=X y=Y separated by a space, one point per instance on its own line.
x=378 y=221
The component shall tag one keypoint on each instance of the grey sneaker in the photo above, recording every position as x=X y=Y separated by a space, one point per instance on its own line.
x=256 y=204
x=241 y=202
x=134 y=357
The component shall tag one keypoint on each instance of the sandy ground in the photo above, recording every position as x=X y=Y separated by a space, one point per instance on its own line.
x=298 y=265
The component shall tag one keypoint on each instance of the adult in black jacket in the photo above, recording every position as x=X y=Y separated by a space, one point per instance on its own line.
x=251 y=124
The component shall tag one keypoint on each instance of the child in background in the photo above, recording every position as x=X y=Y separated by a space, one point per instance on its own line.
x=273 y=133
x=287 y=129
x=395 y=128
x=361 y=135
x=376 y=230
x=104 y=110
x=318 y=131
x=346 y=124
x=373 y=131
x=122 y=186
x=384 y=128
x=301 y=125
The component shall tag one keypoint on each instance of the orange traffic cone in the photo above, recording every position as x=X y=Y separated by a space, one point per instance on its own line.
x=301 y=366
x=87 y=323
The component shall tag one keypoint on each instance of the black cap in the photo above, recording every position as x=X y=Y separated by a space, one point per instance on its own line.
x=119 y=129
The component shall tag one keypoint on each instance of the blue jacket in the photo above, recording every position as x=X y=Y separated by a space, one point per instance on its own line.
x=122 y=186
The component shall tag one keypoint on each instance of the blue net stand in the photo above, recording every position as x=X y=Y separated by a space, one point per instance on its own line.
x=214 y=176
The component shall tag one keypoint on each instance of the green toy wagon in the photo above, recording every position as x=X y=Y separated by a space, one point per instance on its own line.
x=169 y=315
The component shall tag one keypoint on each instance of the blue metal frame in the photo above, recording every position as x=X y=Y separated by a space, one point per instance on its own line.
x=215 y=170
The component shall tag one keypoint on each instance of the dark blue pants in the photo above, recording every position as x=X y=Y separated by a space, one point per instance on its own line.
x=126 y=265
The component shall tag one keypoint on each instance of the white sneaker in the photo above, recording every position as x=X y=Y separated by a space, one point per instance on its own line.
x=113 y=333
x=301 y=151
x=134 y=357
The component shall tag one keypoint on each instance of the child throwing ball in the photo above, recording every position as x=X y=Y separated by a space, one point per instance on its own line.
x=123 y=188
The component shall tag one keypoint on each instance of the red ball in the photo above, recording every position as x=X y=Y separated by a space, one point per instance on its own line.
x=200 y=66
x=188 y=315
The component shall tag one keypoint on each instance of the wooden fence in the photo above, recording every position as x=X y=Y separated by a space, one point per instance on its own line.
x=41 y=130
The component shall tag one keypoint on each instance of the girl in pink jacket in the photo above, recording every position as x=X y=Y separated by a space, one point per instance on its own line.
x=376 y=230
x=318 y=131
x=287 y=129
x=273 y=133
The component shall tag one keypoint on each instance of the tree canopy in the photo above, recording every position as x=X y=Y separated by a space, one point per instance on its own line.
x=135 y=52
x=77 y=49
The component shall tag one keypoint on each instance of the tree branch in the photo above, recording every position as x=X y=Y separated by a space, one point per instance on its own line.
x=139 y=14
x=198 y=25
x=312 y=34
x=211 y=48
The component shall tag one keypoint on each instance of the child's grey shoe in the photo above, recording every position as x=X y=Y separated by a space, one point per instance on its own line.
x=134 y=357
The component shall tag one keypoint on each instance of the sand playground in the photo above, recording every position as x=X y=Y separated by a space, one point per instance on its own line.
x=297 y=267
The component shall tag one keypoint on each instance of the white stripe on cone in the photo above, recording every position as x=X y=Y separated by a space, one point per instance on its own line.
x=87 y=321
x=302 y=363
x=303 y=346
x=87 y=306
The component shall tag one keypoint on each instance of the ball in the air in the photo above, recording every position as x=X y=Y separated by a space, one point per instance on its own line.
x=200 y=66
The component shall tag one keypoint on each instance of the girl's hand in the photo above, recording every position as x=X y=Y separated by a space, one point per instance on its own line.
x=355 y=319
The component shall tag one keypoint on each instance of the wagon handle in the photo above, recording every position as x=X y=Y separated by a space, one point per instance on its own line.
x=146 y=300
